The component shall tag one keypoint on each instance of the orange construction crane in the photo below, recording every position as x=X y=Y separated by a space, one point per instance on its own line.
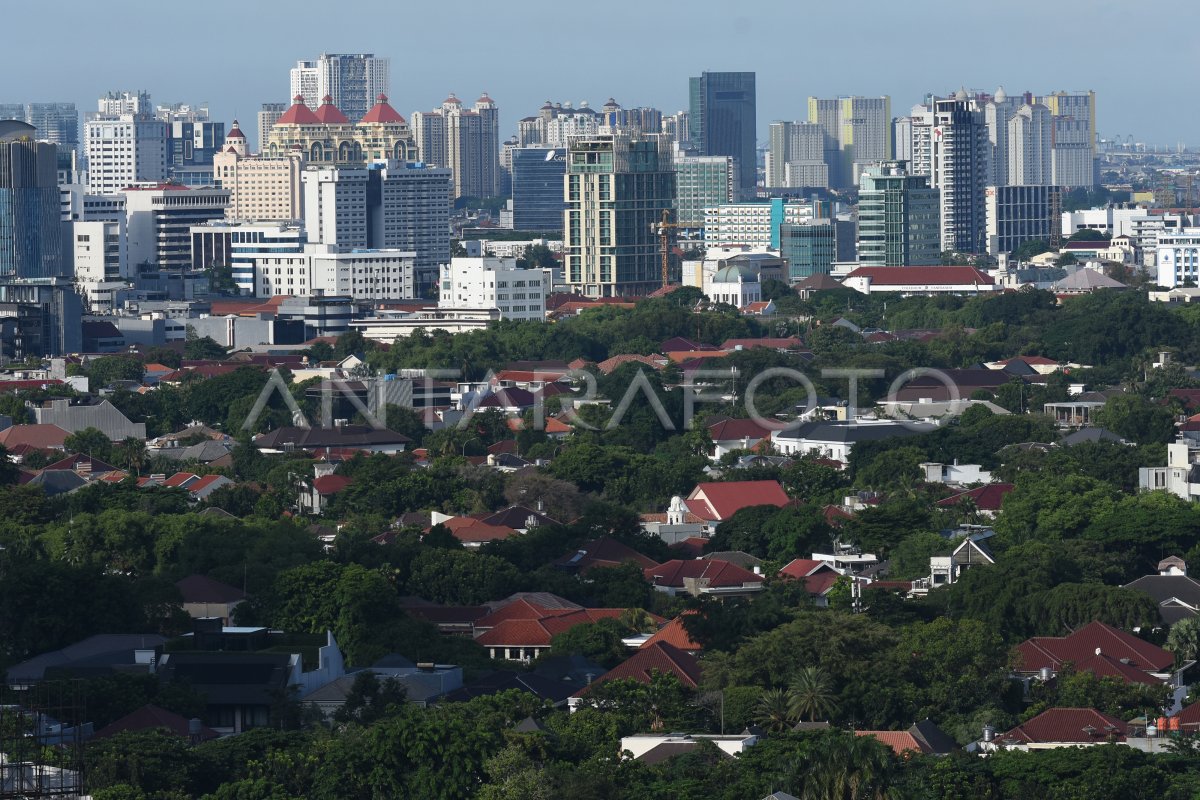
x=663 y=229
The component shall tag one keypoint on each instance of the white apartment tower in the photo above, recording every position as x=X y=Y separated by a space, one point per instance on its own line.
x=124 y=144
x=960 y=169
x=352 y=80
x=467 y=140
x=1029 y=134
x=796 y=156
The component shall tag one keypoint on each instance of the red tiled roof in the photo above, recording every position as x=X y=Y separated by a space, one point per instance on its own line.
x=204 y=482
x=180 y=479
x=1103 y=666
x=328 y=114
x=732 y=430
x=835 y=514
x=1053 y=652
x=986 y=498
x=609 y=365
x=331 y=484
x=659 y=657
x=21 y=386
x=688 y=357
x=77 y=461
x=716 y=573
x=674 y=634
x=41 y=436
x=151 y=717
x=899 y=741
x=481 y=532
x=801 y=567
x=937 y=276
x=539 y=632
x=1075 y=725
x=298 y=114
x=720 y=501
x=381 y=112
x=603 y=552
x=1189 y=717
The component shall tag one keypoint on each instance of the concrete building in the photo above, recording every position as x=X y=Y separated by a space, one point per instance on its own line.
x=796 y=156
x=997 y=114
x=898 y=218
x=1178 y=258
x=392 y=205
x=353 y=81
x=124 y=144
x=811 y=248
x=192 y=141
x=537 y=188
x=31 y=230
x=260 y=187
x=734 y=285
x=960 y=170
x=1018 y=214
x=55 y=122
x=100 y=259
x=159 y=221
x=723 y=118
x=327 y=136
x=467 y=140
x=702 y=182
x=246 y=249
x=1028 y=152
x=753 y=225
x=617 y=187
x=857 y=132
x=1072 y=154
x=385 y=274
x=268 y=115
x=495 y=283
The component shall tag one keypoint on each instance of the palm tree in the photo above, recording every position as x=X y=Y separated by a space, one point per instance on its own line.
x=773 y=711
x=637 y=620
x=848 y=767
x=1184 y=640
x=811 y=695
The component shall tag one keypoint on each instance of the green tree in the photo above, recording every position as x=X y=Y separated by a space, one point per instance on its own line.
x=202 y=347
x=105 y=371
x=90 y=442
x=1184 y=640
x=773 y=711
x=1137 y=420
x=811 y=695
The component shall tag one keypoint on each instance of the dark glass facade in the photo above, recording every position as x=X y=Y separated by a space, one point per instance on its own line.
x=723 y=115
x=537 y=188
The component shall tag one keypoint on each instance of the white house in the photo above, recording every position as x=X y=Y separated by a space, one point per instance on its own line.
x=491 y=282
x=835 y=440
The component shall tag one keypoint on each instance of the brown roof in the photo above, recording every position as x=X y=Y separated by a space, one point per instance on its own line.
x=42 y=436
x=659 y=657
x=1075 y=725
x=151 y=717
x=203 y=589
x=1095 y=638
x=603 y=552
x=675 y=634
x=899 y=741
x=716 y=573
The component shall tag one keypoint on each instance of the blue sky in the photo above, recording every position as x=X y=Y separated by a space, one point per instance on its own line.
x=236 y=55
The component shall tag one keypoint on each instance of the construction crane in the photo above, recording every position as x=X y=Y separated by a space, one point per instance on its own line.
x=663 y=229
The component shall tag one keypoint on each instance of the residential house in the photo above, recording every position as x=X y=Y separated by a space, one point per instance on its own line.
x=422 y=683
x=818 y=577
x=654 y=748
x=956 y=385
x=1061 y=727
x=602 y=552
x=1078 y=410
x=97 y=655
x=955 y=473
x=984 y=500
x=677 y=525
x=520 y=518
x=198 y=487
x=152 y=718
x=920 y=280
x=675 y=634
x=716 y=502
x=1176 y=594
x=37 y=437
x=1180 y=477
x=660 y=658
x=784 y=344
x=729 y=434
x=522 y=631
x=204 y=597
x=946 y=568
x=835 y=440
x=1102 y=650
x=701 y=577
x=340 y=437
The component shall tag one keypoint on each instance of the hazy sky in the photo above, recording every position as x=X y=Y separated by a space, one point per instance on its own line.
x=236 y=55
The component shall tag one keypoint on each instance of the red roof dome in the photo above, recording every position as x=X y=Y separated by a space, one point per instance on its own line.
x=452 y=101
x=298 y=114
x=328 y=113
x=483 y=98
x=235 y=132
x=382 y=112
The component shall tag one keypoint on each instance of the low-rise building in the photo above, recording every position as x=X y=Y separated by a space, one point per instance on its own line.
x=492 y=282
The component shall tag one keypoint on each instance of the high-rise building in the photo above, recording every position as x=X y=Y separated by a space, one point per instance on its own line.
x=239 y=246
x=101 y=264
x=353 y=81
x=268 y=115
x=810 y=249
x=192 y=141
x=898 y=217
x=1072 y=154
x=1027 y=147
x=125 y=145
x=31 y=228
x=390 y=205
x=327 y=136
x=796 y=152
x=998 y=114
x=159 y=221
x=960 y=170
x=857 y=132
x=702 y=182
x=55 y=122
x=1076 y=138
x=1019 y=214
x=753 y=225
x=260 y=187
x=617 y=187
x=467 y=140
x=537 y=188
x=722 y=117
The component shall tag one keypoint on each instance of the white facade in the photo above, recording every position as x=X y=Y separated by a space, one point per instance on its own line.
x=1115 y=221
x=1029 y=134
x=159 y=222
x=352 y=80
x=752 y=225
x=1176 y=477
x=98 y=252
x=737 y=286
x=1072 y=156
x=961 y=168
x=489 y=282
x=364 y=275
x=123 y=151
x=248 y=248
x=1178 y=258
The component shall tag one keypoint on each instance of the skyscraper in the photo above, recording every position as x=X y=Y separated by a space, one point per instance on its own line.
x=961 y=169
x=617 y=187
x=124 y=143
x=268 y=115
x=467 y=140
x=31 y=229
x=897 y=218
x=701 y=182
x=998 y=114
x=537 y=188
x=1077 y=139
x=55 y=122
x=722 y=117
x=1027 y=147
x=192 y=141
x=1072 y=155
x=352 y=80
x=858 y=131
x=800 y=146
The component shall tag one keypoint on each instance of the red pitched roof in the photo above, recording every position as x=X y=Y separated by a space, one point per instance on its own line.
x=658 y=657
x=298 y=114
x=899 y=741
x=151 y=717
x=986 y=498
x=936 y=276
x=674 y=634
x=79 y=461
x=381 y=112
x=801 y=567
x=198 y=486
x=331 y=484
x=20 y=386
x=1103 y=666
x=539 y=632
x=41 y=436
x=481 y=532
x=1080 y=646
x=1189 y=717
x=720 y=501
x=1076 y=725
x=732 y=430
x=180 y=479
x=328 y=113
x=716 y=573
x=835 y=514
x=603 y=552
x=609 y=365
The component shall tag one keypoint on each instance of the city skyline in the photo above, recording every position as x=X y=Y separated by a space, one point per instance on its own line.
x=972 y=50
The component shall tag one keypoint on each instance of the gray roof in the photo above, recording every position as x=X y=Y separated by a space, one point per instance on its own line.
x=932 y=738
x=1165 y=588
x=738 y=557
x=58 y=481
x=1089 y=435
x=1086 y=280
x=202 y=451
x=853 y=432
x=101 y=650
